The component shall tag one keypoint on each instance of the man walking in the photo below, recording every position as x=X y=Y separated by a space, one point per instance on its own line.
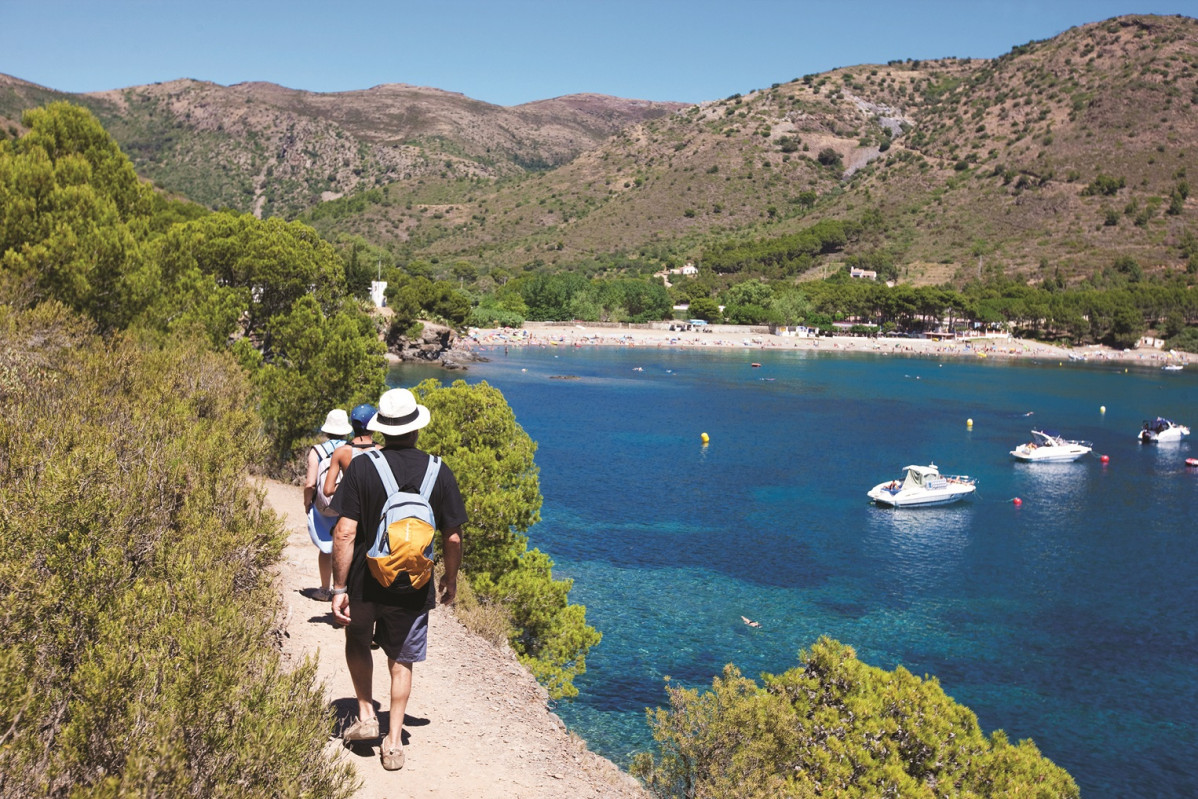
x=397 y=619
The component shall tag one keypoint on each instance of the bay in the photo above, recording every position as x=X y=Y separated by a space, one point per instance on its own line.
x=1068 y=619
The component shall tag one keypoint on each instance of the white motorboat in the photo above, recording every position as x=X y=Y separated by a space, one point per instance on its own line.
x=1173 y=367
x=1161 y=430
x=922 y=485
x=1047 y=446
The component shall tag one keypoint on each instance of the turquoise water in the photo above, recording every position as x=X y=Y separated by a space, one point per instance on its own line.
x=1068 y=619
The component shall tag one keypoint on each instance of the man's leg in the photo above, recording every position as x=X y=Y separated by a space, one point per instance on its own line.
x=361 y=671
x=401 y=689
x=360 y=661
x=404 y=638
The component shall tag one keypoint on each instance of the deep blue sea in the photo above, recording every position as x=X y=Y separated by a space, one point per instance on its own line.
x=1069 y=619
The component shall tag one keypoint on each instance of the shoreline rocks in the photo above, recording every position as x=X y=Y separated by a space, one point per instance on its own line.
x=437 y=345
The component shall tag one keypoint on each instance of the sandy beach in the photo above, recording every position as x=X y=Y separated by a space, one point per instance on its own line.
x=582 y=334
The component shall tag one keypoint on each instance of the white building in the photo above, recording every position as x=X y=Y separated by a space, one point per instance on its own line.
x=378 y=293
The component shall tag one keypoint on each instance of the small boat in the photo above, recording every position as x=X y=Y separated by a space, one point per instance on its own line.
x=755 y=365
x=1161 y=430
x=921 y=486
x=1076 y=356
x=1047 y=446
x=1191 y=461
x=1173 y=367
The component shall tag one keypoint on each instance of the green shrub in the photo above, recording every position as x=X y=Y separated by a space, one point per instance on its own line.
x=138 y=628
x=1105 y=185
x=835 y=727
x=494 y=316
x=1186 y=340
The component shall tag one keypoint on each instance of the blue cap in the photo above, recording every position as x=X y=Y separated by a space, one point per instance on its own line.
x=361 y=415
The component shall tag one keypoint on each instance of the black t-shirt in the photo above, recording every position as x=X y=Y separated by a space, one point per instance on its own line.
x=360 y=497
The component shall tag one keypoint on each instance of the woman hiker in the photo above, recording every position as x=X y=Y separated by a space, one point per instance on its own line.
x=320 y=525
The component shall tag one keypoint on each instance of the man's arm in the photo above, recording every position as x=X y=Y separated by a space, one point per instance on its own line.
x=343 y=555
x=451 y=546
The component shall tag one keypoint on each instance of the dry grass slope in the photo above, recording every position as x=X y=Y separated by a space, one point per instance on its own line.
x=974 y=165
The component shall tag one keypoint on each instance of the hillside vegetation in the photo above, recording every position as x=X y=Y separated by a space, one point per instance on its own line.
x=1063 y=154
x=276 y=151
x=1004 y=165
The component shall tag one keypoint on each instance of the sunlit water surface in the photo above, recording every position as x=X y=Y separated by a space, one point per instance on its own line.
x=1069 y=619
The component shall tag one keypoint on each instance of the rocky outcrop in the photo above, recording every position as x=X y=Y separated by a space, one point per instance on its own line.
x=435 y=344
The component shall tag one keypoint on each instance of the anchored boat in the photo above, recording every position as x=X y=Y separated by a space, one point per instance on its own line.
x=1047 y=446
x=922 y=486
x=1162 y=431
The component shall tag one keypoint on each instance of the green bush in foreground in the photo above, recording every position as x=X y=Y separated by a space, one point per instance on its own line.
x=138 y=623
x=835 y=727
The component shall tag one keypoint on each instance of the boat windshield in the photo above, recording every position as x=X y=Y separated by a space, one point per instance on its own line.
x=920 y=476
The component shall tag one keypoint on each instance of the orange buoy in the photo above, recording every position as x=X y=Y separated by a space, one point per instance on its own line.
x=1017 y=502
x=1105 y=459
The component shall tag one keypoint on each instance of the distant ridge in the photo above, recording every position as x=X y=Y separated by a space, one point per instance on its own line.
x=282 y=150
x=1049 y=162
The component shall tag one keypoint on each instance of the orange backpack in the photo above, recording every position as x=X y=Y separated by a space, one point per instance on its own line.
x=401 y=557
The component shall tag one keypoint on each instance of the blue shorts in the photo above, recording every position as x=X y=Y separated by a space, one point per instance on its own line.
x=320 y=529
x=402 y=634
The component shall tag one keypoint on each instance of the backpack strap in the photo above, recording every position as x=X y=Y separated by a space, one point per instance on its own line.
x=384 y=470
x=430 y=477
x=325 y=448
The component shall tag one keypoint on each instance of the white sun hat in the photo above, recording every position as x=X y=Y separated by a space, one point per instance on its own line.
x=399 y=413
x=337 y=423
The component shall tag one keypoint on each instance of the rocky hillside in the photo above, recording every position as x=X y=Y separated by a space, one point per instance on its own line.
x=277 y=151
x=1061 y=154
x=1054 y=159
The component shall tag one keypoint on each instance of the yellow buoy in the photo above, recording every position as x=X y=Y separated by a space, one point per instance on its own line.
x=1102 y=409
x=969 y=422
x=704 y=438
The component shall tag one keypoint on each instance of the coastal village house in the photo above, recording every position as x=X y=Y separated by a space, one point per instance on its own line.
x=686 y=270
x=378 y=293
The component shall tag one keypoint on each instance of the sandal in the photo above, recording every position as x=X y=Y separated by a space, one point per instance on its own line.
x=392 y=758
x=362 y=730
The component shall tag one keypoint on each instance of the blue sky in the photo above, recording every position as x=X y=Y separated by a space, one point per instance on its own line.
x=513 y=51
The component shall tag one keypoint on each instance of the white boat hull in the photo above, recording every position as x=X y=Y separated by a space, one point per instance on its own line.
x=1049 y=454
x=1172 y=435
x=882 y=495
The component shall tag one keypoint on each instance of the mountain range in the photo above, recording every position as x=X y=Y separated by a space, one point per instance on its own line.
x=1049 y=162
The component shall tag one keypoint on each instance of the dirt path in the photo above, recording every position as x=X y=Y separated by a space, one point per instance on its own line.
x=477 y=724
